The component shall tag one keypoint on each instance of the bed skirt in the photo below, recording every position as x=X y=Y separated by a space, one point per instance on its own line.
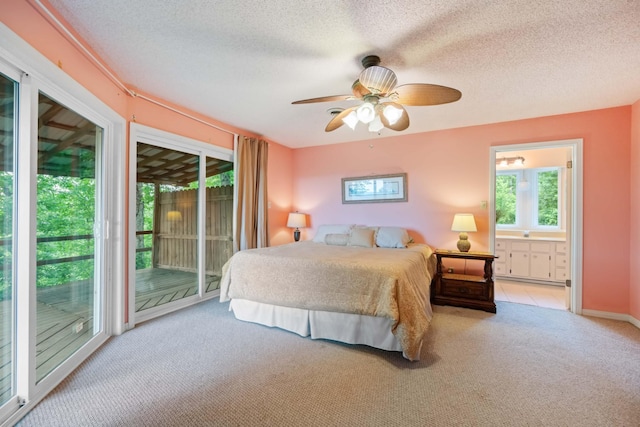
x=342 y=327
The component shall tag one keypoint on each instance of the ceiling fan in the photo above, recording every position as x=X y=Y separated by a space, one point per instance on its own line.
x=382 y=101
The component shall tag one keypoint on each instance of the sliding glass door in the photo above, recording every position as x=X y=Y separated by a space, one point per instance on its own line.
x=218 y=221
x=69 y=301
x=8 y=117
x=166 y=213
x=62 y=210
x=184 y=220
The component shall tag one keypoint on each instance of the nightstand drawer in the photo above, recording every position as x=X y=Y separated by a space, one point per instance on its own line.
x=454 y=288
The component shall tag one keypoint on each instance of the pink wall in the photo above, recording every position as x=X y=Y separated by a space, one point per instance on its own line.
x=634 y=283
x=448 y=172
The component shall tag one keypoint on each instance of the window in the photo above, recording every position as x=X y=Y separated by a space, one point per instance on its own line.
x=529 y=199
x=506 y=198
x=547 y=192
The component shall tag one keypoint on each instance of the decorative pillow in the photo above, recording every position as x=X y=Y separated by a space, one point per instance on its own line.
x=325 y=229
x=336 y=239
x=363 y=237
x=392 y=237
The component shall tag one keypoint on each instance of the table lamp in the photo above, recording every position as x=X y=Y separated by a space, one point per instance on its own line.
x=463 y=222
x=296 y=220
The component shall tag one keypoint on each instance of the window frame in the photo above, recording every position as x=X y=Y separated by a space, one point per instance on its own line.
x=527 y=199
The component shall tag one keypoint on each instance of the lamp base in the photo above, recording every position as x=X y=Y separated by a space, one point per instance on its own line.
x=296 y=235
x=463 y=244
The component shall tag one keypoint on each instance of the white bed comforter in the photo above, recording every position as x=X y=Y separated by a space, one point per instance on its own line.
x=392 y=283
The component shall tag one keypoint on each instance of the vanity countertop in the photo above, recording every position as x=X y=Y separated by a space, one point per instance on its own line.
x=537 y=238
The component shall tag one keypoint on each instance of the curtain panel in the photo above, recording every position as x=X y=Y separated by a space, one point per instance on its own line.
x=250 y=194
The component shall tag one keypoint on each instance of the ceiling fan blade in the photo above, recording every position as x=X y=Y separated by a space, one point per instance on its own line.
x=403 y=121
x=324 y=99
x=359 y=90
x=336 y=122
x=426 y=94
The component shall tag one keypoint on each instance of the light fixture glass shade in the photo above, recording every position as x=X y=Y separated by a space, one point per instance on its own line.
x=378 y=79
x=296 y=220
x=508 y=161
x=392 y=114
x=366 y=112
x=351 y=120
x=376 y=125
x=463 y=222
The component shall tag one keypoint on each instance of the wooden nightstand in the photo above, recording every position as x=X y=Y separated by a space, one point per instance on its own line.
x=464 y=290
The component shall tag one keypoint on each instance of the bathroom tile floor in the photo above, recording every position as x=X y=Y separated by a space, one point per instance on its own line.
x=549 y=296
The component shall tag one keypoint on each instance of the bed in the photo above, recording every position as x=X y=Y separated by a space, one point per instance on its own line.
x=358 y=285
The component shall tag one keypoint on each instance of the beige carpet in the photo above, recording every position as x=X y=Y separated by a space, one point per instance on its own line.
x=524 y=366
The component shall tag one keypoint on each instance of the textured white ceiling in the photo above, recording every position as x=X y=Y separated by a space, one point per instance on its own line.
x=244 y=61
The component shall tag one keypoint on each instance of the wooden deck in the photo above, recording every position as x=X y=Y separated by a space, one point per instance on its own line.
x=64 y=320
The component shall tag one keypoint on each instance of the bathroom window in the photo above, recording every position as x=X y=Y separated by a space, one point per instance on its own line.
x=529 y=199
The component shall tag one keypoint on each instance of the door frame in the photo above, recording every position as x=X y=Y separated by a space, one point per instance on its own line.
x=574 y=229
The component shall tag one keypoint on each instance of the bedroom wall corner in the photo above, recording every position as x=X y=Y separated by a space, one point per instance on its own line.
x=634 y=254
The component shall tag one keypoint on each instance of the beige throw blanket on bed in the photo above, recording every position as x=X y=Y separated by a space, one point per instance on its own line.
x=392 y=283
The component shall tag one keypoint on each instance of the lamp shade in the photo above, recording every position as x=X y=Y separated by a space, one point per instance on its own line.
x=463 y=222
x=297 y=220
x=174 y=216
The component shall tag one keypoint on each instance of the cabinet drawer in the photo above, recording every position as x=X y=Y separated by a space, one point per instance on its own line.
x=500 y=268
x=561 y=274
x=501 y=245
x=501 y=256
x=561 y=248
x=561 y=261
x=541 y=247
x=520 y=246
x=454 y=288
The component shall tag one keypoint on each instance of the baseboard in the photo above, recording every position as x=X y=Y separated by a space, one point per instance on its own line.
x=615 y=316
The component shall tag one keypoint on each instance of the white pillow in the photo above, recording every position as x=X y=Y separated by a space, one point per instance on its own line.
x=337 y=239
x=392 y=237
x=325 y=229
x=363 y=237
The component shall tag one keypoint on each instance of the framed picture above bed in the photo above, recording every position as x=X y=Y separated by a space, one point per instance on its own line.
x=375 y=188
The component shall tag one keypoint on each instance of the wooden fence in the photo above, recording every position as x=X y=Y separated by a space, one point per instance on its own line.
x=175 y=233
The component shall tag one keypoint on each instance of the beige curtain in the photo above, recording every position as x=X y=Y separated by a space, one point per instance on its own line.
x=250 y=194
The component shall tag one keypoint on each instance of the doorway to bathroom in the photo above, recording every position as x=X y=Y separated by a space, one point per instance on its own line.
x=536 y=223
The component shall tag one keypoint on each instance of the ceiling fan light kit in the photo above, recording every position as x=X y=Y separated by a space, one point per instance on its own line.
x=382 y=102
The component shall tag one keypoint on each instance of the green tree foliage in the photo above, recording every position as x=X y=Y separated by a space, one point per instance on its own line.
x=506 y=199
x=548 y=198
x=65 y=210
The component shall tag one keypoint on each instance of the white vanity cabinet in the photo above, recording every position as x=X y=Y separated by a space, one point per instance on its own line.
x=561 y=271
x=533 y=259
